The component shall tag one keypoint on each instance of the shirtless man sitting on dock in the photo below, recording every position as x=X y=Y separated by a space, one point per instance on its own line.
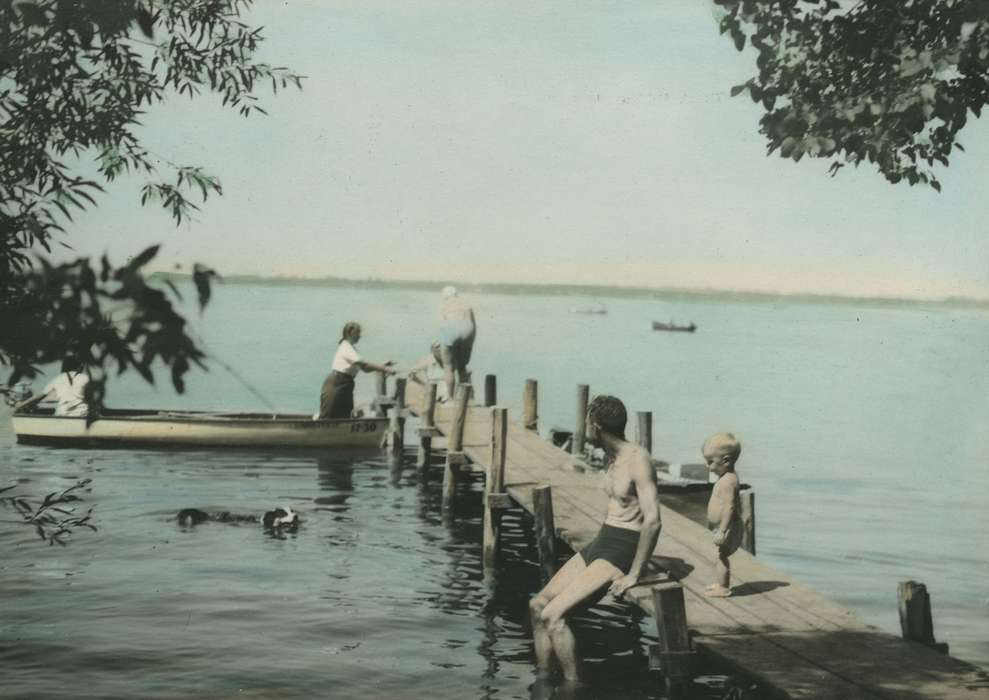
x=621 y=550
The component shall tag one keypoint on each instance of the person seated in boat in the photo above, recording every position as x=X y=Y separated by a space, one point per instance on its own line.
x=724 y=509
x=429 y=369
x=68 y=389
x=618 y=556
x=337 y=395
x=458 y=330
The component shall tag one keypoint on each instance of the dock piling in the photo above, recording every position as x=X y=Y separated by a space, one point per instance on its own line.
x=748 y=521
x=542 y=507
x=644 y=430
x=916 y=621
x=530 y=405
x=380 y=393
x=455 y=444
x=395 y=439
x=400 y=392
x=580 y=433
x=427 y=428
x=673 y=655
x=494 y=487
x=490 y=390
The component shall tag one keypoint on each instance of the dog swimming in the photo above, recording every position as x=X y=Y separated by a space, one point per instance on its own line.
x=281 y=518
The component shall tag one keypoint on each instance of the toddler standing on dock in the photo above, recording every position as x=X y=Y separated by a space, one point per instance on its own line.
x=724 y=510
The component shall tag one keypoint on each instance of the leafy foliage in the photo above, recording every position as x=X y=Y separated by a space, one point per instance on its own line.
x=49 y=518
x=113 y=318
x=889 y=82
x=75 y=78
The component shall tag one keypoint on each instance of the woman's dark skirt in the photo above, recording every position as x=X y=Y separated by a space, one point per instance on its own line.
x=336 y=399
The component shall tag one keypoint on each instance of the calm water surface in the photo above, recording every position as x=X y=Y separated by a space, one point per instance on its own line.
x=863 y=434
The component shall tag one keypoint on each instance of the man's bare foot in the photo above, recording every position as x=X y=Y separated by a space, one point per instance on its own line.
x=716 y=590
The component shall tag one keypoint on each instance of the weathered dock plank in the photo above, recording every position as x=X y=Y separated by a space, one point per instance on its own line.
x=792 y=639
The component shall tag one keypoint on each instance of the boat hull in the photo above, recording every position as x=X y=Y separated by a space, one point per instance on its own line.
x=657 y=326
x=190 y=430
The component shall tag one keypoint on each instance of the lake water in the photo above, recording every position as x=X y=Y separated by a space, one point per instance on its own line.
x=863 y=431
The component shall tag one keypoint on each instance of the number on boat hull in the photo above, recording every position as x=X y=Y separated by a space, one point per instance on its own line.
x=368 y=426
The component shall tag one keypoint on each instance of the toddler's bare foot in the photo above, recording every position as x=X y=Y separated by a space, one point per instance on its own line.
x=716 y=590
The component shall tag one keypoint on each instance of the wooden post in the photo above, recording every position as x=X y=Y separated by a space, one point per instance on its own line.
x=748 y=521
x=673 y=654
x=455 y=445
x=400 y=392
x=427 y=429
x=644 y=433
x=530 y=405
x=396 y=439
x=494 y=484
x=580 y=433
x=490 y=390
x=381 y=391
x=542 y=508
x=916 y=621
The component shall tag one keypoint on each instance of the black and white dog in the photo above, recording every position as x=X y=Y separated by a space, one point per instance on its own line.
x=281 y=519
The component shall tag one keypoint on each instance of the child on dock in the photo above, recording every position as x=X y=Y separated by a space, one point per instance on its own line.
x=724 y=510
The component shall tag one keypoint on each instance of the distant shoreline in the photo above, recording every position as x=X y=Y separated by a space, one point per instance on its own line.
x=600 y=291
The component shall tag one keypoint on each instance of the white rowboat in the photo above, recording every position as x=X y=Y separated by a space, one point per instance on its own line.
x=128 y=428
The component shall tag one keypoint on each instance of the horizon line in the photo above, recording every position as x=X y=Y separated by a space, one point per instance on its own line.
x=558 y=287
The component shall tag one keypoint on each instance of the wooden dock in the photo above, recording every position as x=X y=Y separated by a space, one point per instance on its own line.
x=791 y=640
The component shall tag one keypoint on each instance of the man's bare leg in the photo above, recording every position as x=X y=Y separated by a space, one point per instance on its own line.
x=447 y=355
x=586 y=583
x=540 y=633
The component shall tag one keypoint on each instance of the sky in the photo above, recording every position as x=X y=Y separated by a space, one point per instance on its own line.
x=551 y=142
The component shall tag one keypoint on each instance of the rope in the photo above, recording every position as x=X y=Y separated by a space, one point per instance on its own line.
x=236 y=375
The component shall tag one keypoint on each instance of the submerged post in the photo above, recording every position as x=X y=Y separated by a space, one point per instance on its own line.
x=427 y=429
x=644 y=431
x=673 y=655
x=530 y=405
x=580 y=432
x=916 y=621
x=490 y=390
x=748 y=521
x=542 y=508
x=455 y=444
x=494 y=486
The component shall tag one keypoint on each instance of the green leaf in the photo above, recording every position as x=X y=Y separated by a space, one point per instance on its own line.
x=145 y=21
x=144 y=257
x=31 y=14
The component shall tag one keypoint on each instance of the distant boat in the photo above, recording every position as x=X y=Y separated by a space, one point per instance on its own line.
x=596 y=309
x=657 y=326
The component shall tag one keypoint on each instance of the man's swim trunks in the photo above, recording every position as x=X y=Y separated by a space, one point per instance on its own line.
x=616 y=545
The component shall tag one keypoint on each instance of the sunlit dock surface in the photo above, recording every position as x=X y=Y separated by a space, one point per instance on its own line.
x=792 y=640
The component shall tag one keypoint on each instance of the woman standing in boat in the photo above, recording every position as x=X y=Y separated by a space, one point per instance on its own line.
x=336 y=399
